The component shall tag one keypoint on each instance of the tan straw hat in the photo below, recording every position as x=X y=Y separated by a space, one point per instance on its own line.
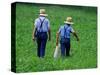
x=69 y=20
x=43 y=13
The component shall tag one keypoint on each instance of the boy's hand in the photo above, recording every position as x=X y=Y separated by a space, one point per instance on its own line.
x=77 y=39
x=56 y=44
x=49 y=39
x=33 y=38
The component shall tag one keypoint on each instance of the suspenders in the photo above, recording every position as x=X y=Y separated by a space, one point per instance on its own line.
x=36 y=32
x=65 y=32
x=41 y=24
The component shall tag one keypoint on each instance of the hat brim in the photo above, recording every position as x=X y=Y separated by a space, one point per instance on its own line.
x=68 y=22
x=43 y=14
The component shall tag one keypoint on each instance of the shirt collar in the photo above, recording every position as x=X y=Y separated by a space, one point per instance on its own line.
x=67 y=24
x=41 y=16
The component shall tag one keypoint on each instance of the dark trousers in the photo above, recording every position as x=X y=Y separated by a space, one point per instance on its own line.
x=65 y=47
x=41 y=43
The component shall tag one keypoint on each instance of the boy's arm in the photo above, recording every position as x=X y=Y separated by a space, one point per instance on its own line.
x=49 y=30
x=57 y=38
x=49 y=34
x=74 y=33
x=34 y=31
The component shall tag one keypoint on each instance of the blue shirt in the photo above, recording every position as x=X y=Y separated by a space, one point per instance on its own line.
x=45 y=25
x=65 y=31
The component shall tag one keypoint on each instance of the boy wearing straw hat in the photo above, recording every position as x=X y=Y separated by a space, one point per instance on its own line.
x=41 y=32
x=64 y=33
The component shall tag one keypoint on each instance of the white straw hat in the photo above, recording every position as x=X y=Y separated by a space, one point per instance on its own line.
x=69 y=20
x=43 y=13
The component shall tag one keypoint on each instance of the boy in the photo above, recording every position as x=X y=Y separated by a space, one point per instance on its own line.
x=42 y=27
x=64 y=33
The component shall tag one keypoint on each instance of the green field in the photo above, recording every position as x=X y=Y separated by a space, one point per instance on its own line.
x=83 y=53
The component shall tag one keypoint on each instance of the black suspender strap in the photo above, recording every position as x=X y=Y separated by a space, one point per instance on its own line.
x=41 y=22
x=65 y=31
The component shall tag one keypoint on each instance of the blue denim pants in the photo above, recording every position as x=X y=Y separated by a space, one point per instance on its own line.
x=65 y=46
x=41 y=43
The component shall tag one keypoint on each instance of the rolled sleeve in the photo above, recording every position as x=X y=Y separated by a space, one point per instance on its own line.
x=59 y=30
x=36 y=23
x=72 y=30
x=48 y=24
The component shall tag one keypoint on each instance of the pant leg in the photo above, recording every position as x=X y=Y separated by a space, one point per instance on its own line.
x=62 y=49
x=38 y=47
x=67 y=45
x=43 y=44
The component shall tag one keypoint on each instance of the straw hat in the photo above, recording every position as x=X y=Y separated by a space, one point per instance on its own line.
x=69 y=20
x=43 y=13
